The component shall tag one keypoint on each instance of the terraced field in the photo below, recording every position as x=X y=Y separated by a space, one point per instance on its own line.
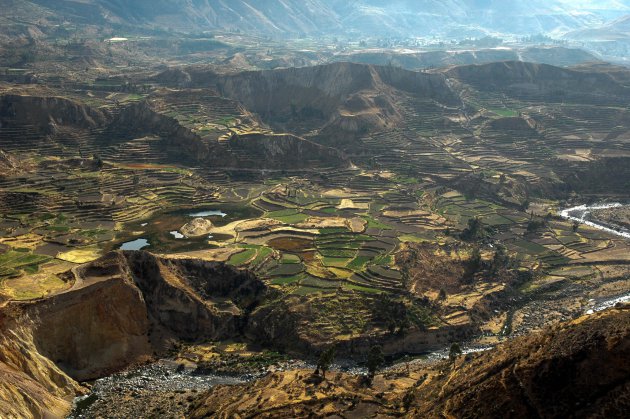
x=339 y=224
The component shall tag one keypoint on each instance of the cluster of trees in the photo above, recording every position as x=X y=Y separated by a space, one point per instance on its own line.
x=475 y=230
x=375 y=360
x=535 y=224
x=394 y=314
x=500 y=261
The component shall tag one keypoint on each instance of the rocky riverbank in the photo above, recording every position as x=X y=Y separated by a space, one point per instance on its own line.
x=612 y=218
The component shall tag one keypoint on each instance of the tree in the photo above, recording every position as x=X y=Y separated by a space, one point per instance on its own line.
x=475 y=262
x=98 y=161
x=454 y=352
x=408 y=400
x=474 y=231
x=535 y=225
x=575 y=226
x=326 y=358
x=375 y=360
x=442 y=295
x=393 y=313
x=500 y=260
x=403 y=326
x=525 y=205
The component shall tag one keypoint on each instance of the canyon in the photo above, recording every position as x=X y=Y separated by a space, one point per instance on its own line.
x=308 y=209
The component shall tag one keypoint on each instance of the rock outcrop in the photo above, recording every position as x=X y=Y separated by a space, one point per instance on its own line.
x=196 y=228
x=123 y=309
x=46 y=112
x=544 y=82
x=59 y=121
x=286 y=152
x=576 y=369
x=192 y=300
x=32 y=385
x=342 y=100
x=8 y=163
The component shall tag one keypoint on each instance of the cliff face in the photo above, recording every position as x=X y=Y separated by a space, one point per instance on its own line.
x=42 y=111
x=123 y=309
x=283 y=152
x=340 y=99
x=93 y=331
x=192 y=300
x=543 y=82
x=139 y=120
x=8 y=163
x=53 y=123
x=31 y=385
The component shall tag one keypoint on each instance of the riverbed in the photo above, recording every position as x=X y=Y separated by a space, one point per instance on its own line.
x=601 y=304
x=582 y=215
x=162 y=377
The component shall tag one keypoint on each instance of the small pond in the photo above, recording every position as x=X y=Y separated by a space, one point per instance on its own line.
x=161 y=231
x=135 y=244
x=208 y=214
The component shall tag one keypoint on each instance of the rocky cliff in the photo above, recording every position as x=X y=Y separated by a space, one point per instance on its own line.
x=576 y=369
x=32 y=385
x=55 y=125
x=340 y=99
x=543 y=82
x=180 y=143
x=193 y=300
x=46 y=112
x=282 y=151
x=123 y=309
x=8 y=164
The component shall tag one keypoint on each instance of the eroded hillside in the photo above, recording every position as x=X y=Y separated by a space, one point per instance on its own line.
x=124 y=309
x=169 y=222
x=578 y=368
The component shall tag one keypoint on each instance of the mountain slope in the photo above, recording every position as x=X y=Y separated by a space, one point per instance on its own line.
x=341 y=100
x=577 y=369
x=618 y=29
x=364 y=17
x=122 y=309
x=542 y=81
x=273 y=16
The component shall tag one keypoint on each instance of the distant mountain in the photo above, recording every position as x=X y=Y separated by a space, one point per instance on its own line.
x=611 y=40
x=619 y=29
x=456 y=18
x=464 y=17
x=257 y=16
x=558 y=56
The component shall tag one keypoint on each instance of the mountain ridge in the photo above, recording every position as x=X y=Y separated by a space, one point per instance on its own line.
x=322 y=17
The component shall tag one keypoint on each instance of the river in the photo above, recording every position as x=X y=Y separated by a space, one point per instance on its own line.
x=581 y=214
